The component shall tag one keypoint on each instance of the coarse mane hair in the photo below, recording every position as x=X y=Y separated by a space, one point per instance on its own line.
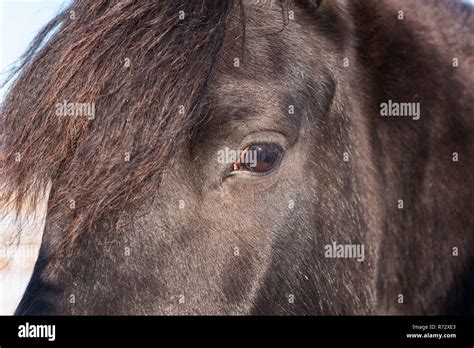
x=131 y=60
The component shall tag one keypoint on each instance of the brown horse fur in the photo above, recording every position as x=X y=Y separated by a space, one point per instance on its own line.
x=182 y=95
x=138 y=108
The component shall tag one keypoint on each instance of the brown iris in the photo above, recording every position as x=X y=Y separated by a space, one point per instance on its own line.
x=259 y=158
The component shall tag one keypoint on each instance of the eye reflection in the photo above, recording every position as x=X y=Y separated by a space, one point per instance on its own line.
x=259 y=158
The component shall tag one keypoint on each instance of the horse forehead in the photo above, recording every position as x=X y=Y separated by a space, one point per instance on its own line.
x=267 y=48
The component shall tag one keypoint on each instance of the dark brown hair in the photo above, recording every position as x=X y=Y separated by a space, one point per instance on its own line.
x=145 y=108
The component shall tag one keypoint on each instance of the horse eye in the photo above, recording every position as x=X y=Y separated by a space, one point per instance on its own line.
x=260 y=158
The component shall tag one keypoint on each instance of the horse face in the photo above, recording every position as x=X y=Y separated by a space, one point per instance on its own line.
x=262 y=175
x=225 y=236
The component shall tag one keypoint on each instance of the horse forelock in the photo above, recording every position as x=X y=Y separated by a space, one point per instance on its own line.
x=143 y=69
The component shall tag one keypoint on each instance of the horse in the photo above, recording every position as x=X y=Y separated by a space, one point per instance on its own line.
x=141 y=117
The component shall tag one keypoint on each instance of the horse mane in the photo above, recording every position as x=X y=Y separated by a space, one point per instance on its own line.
x=144 y=109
